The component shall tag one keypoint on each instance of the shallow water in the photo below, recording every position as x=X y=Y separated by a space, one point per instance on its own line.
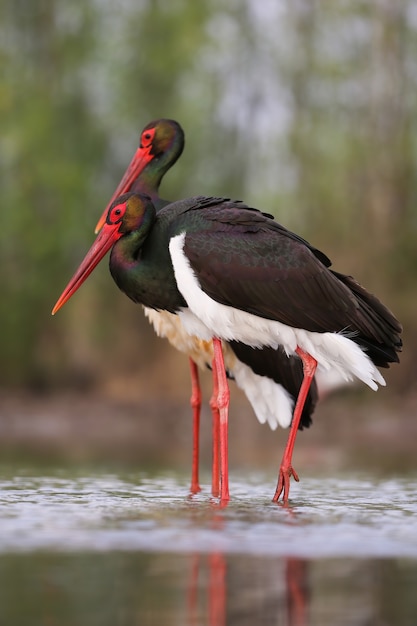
x=134 y=548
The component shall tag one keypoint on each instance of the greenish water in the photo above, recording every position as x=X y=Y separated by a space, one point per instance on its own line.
x=134 y=548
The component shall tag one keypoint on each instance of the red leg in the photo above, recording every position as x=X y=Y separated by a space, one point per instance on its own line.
x=286 y=470
x=223 y=397
x=195 y=402
x=215 y=473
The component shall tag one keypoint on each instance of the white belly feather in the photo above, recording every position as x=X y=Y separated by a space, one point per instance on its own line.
x=271 y=403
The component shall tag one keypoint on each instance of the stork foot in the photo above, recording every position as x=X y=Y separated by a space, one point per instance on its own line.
x=194 y=488
x=285 y=473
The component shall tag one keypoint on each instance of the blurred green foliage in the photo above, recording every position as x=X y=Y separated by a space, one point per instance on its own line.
x=304 y=109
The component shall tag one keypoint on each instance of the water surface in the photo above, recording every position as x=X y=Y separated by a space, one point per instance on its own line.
x=134 y=548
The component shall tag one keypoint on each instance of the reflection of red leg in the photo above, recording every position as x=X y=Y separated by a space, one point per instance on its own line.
x=223 y=397
x=215 y=472
x=193 y=591
x=297 y=591
x=286 y=470
x=217 y=590
x=196 y=407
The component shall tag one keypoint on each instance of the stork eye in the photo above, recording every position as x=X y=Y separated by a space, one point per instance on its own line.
x=116 y=214
x=147 y=137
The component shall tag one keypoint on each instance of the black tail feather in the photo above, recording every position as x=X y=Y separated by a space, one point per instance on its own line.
x=380 y=334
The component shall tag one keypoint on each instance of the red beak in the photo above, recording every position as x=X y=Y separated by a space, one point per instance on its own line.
x=140 y=159
x=104 y=241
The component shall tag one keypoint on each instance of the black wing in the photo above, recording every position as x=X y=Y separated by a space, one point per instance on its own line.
x=244 y=259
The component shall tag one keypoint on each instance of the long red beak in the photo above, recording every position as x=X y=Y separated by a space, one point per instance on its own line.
x=140 y=159
x=107 y=237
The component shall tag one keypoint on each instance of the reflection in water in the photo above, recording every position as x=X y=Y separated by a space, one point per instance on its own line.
x=217 y=589
x=297 y=591
x=156 y=589
x=126 y=550
x=288 y=605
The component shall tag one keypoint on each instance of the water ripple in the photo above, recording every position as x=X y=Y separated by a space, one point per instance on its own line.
x=326 y=518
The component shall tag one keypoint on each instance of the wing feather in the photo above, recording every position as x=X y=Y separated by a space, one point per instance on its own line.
x=245 y=259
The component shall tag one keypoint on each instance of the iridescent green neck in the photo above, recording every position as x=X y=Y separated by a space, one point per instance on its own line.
x=151 y=176
x=141 y=267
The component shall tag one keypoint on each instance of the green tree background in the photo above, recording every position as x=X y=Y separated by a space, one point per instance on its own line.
x=304 y=109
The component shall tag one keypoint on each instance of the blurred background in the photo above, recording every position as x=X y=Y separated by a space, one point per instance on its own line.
x=304 y=109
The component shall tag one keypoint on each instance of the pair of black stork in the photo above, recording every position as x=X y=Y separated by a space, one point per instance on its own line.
x=237 y=291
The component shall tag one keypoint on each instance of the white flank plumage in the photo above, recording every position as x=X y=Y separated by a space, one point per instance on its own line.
x=169 y=325
x=328 y=381
x=207 y=318
x=271 y=403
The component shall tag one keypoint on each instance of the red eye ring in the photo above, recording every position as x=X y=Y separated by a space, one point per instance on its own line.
x=147 y=137
x=116 y=214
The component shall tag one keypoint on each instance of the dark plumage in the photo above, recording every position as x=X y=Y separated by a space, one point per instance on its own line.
x=161 y=144
x=232 y=272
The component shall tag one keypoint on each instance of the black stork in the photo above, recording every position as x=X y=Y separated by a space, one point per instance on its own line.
x=270 y=380
x=232 y=273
